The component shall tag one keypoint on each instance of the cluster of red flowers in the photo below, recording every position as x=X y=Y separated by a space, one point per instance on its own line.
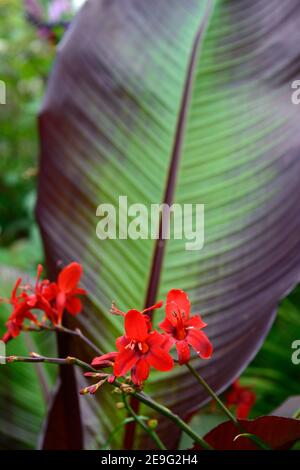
x=141 y=347
x=243 y=398
x=52 y=298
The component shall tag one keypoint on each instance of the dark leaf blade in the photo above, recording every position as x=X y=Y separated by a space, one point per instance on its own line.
x=278 y=433
x=108 y=127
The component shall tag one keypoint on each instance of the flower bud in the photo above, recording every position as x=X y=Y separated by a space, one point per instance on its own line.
x=152 y=423
x=126 y=388
x=120 y=405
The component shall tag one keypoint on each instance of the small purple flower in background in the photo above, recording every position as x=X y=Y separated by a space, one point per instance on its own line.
x=52 y=20
x=33 y=7
x=58 y=8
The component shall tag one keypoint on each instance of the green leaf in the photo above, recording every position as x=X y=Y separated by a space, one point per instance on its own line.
x=272 y=374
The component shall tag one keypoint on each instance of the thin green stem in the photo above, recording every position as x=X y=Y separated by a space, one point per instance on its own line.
x=213 y=395
x=173 y=417
x=67 y=331
x=115 y=430
x=143 y=425
x=228 y=413
x=36 y=358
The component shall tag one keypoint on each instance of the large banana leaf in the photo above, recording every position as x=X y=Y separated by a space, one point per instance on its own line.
x=184 y=101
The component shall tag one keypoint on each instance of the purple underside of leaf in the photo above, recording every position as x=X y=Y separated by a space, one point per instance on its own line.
x=278 y=433
x=288 y=408
x=134 y=107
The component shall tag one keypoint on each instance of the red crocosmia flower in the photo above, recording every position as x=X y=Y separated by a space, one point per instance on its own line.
x=21 y=311
x=241 y=397
x=29 y=298
x=50 y=298
x=183 y=330
x=66 y=290
x=139 y=349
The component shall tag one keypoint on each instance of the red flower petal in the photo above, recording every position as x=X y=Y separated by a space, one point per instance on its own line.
x=172 y=313
x=167 y=326
x=121 y=342
x=69 y=277
x=160 y=359
x=136 y=327
x=31 y=301
x=125 y=360
x=167 y=342
x=181 y=299
x=183 y=351
x=200 y=342
x=50 y=291
x=243 y=410
x=140 y=372
x=79 y=291
x=6 y=337
x=155 y=339
x=15 y=289
x=195 y=322
x=73 y=305
x=31 y=317
x=177 y=300
x=60 y=304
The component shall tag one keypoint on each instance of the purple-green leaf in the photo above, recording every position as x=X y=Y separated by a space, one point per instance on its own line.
x=185 y=101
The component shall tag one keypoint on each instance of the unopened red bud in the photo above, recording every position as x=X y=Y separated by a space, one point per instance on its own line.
x=11 y=359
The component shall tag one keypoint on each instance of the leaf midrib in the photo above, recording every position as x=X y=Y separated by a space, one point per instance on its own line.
x=160 y=245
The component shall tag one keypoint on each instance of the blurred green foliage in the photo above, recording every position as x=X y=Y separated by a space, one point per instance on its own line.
x=272 y=374
x=25 y=62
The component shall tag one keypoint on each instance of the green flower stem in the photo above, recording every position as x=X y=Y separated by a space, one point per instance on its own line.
x=228 y=413
x=35 y=358
x=61 y=329
x=175 y=418
x=143 y=425
x=213 y=395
